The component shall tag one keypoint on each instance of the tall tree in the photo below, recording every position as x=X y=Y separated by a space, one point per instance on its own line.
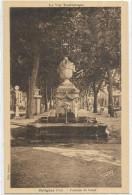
x=93 y=36
x=101 y=29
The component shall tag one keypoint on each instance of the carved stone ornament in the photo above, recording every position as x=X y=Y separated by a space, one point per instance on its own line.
x=66 y=69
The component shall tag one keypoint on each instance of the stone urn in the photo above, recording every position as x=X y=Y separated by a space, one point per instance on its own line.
x=66 y=69
x=66 y=94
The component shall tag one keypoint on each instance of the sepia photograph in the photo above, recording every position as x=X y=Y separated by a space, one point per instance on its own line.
x=65 y=98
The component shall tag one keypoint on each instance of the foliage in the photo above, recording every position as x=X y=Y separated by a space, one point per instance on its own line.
x=92 y=34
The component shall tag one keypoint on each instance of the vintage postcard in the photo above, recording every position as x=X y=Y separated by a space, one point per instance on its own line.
x=66 y=97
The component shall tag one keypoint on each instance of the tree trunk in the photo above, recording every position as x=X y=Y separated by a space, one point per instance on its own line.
x=96 y=90
x=87 y=98
x=83 y=100
x=32 y=84
x=110 y=94
x=46 y=98
x=51 y=98
x=95 y=102
x=80 y=101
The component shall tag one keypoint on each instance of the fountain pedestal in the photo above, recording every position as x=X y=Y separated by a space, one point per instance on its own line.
x=67 y=95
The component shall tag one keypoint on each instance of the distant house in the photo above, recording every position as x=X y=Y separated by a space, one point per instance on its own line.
x=19 y=98
x=117 y=98
x=103 y=97
x=22 y=99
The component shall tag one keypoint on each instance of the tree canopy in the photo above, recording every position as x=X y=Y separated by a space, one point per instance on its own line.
x=92 y=33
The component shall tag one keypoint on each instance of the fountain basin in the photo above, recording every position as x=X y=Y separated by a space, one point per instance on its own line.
x=62 y=131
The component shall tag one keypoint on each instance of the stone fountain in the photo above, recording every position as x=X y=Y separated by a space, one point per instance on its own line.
x=66 y=95
x=64 y=121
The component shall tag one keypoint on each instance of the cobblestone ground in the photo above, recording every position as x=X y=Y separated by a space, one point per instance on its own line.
x=89 y=164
